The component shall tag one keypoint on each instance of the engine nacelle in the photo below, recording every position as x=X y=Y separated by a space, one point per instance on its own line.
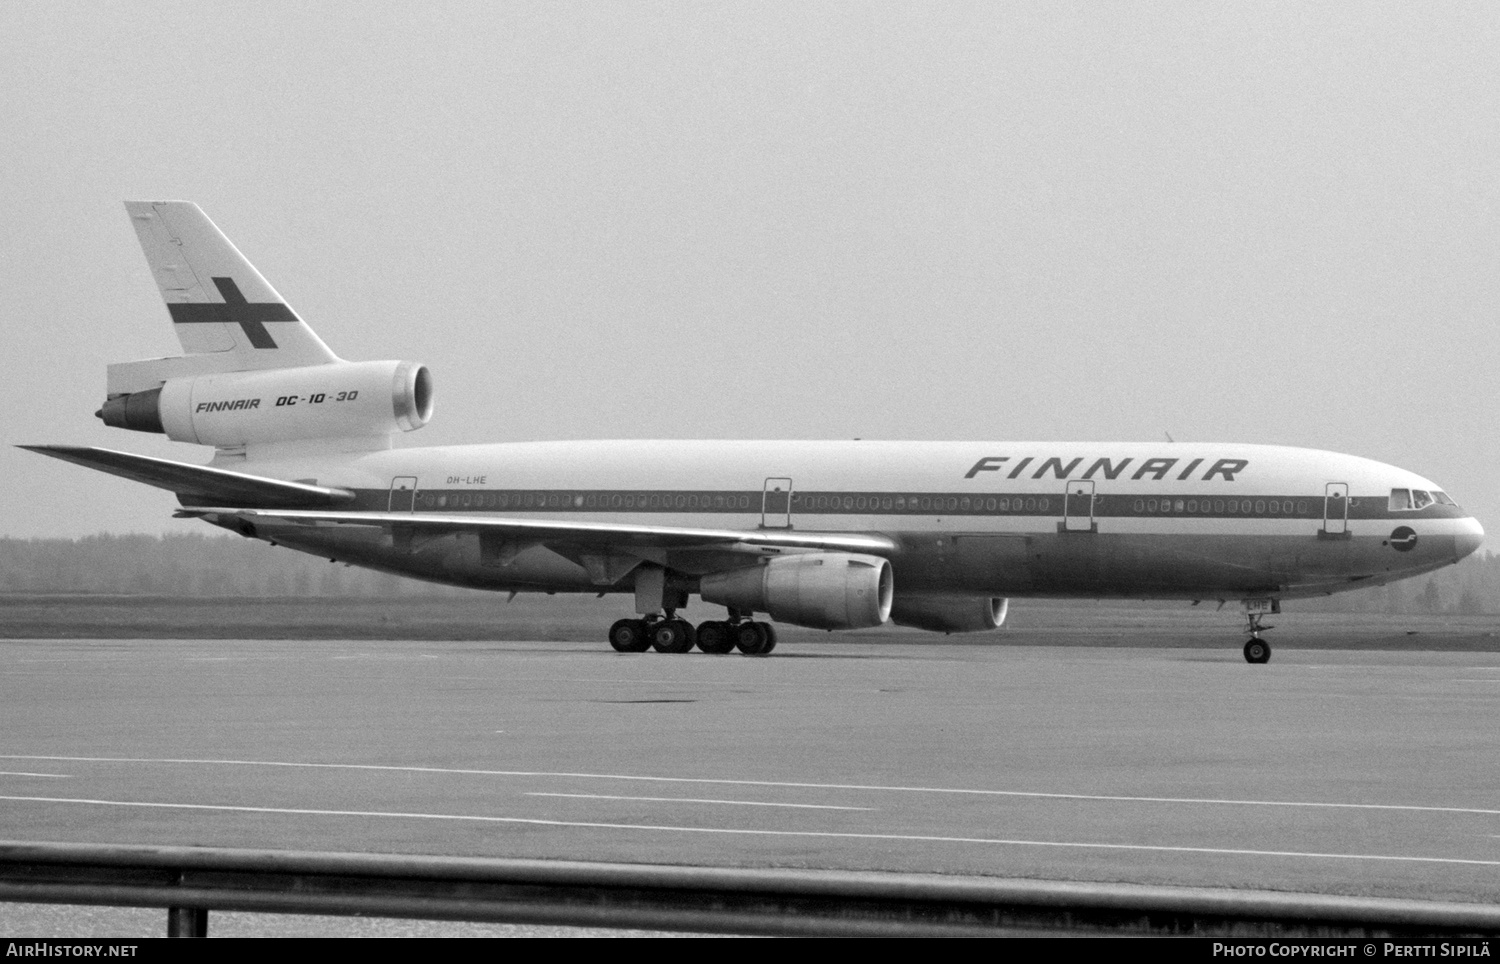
x=950 y=614
x=823 y=590
x=345 y=400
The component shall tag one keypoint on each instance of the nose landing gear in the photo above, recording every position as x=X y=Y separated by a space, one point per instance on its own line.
x=1257 y=650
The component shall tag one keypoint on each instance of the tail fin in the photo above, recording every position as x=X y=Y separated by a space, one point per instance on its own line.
x=220 y=305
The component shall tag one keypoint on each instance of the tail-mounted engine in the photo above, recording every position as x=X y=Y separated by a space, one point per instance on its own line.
x=343 y=400
x=823 y=590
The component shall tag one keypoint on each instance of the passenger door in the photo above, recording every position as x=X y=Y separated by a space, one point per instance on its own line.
x=1078 y=506
x=1336 y=509
x=776 y=504
x=403 y=494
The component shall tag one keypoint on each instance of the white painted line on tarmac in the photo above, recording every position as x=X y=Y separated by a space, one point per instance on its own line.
x=710 y=781
x=736 y=831
x=732 y=803
x=53 y=776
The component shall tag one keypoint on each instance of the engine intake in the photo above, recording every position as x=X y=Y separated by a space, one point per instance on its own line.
x=824 y=590
x=950 y=614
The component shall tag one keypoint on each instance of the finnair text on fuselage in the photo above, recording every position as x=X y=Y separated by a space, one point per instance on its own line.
x=1155 y=469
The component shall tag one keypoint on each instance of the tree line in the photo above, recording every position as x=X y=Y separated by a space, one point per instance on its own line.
x=203 y=564
x=189 y=564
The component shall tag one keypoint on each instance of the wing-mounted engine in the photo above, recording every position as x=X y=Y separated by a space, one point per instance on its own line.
x=950 y=614
x=342 y=400
x=822 y=590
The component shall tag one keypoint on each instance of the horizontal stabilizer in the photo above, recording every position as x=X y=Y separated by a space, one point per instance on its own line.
x=198 y=483
x=576 y=533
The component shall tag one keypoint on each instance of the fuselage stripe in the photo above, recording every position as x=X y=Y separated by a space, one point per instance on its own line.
x=1165 y=504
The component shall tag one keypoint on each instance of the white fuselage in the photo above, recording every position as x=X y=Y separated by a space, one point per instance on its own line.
x=1090 y=519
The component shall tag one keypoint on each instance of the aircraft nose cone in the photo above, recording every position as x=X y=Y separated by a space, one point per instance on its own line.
x=1468 y=538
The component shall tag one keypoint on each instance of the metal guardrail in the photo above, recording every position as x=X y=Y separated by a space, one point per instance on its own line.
x=191 y=881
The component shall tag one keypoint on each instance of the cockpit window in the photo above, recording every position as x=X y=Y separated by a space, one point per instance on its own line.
x=1442 y=497
x=1412 y=499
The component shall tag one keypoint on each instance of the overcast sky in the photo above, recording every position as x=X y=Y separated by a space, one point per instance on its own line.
x=1259 y=222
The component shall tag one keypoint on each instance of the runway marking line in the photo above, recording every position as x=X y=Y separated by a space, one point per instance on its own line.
x=712 y=781
x=52 y=776
x=733 y=803
x=734 y=831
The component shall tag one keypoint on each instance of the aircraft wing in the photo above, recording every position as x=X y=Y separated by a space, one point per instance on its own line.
x=575 y=533
x=200 y=483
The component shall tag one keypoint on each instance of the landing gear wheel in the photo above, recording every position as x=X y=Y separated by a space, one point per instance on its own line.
x=672 y=636
x=1257 y=651
x=754 y=639
x=715 y=638
x=629 y=636
x=749 y=638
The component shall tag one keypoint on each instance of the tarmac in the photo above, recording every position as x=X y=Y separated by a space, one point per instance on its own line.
x=1326 y=771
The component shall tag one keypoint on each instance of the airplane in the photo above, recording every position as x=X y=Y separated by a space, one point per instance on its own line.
x=833 y=535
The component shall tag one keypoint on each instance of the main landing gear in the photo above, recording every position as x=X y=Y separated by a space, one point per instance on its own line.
x=668 y=634
x=1257 y=650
